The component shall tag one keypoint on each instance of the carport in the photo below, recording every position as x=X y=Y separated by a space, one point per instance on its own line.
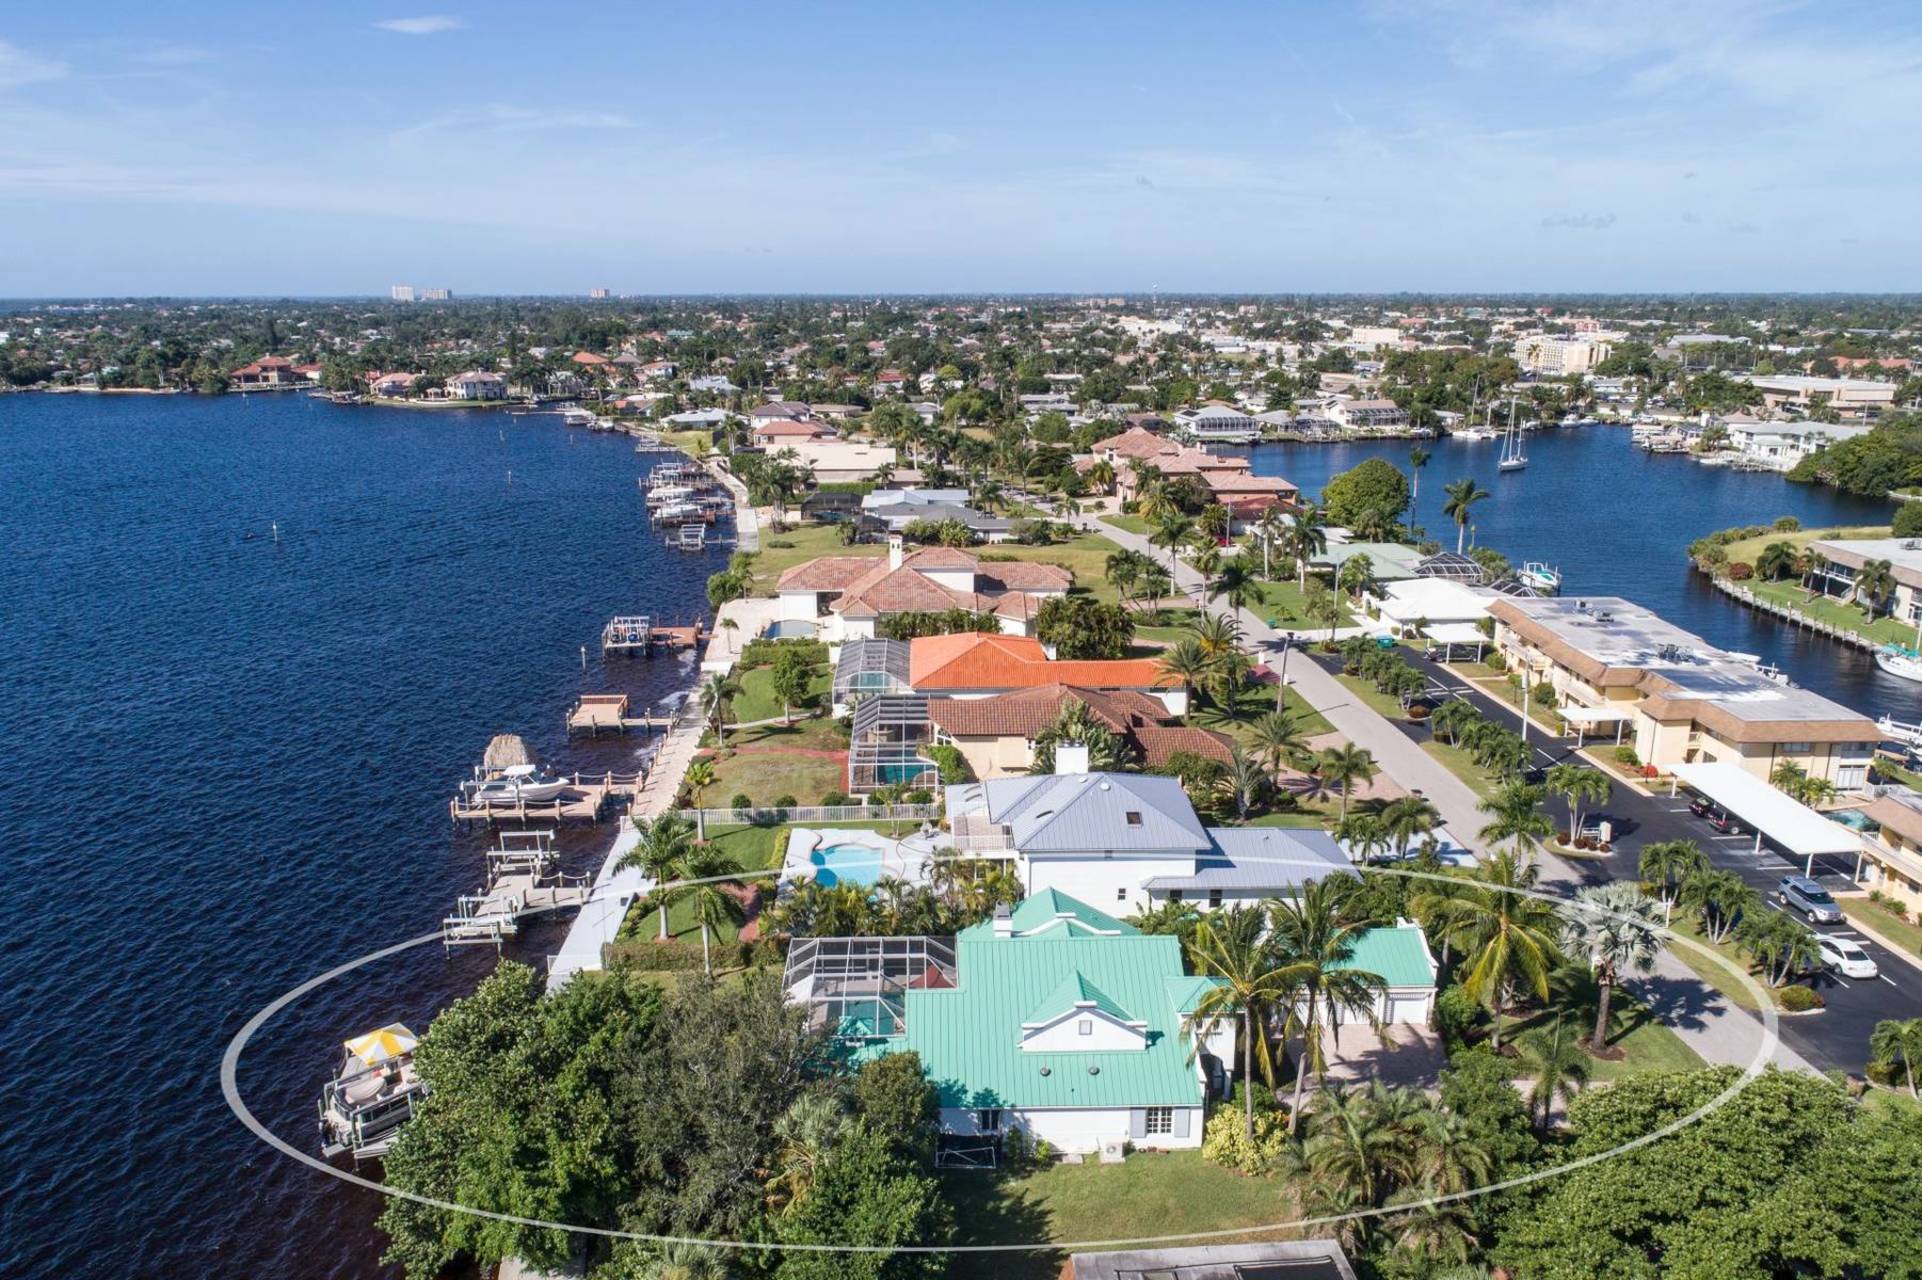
x=1587 y=719
x=1786 y=821
x=1446 y=635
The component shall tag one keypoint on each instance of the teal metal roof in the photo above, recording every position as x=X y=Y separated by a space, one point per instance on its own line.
x=1040 y=913
x=969 y=1037
x=1399 y=954
x=1186 y=992
x=1072 y=993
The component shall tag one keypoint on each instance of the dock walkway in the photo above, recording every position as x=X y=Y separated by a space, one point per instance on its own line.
x=584 y=801
x=595 y=713
x=1795 y=617
x=523 y=878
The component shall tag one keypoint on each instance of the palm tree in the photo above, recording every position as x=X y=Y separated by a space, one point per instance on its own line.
x=1506 y=935
x=1245 y=781
x=1101 y=475
x=1777 y=561
x=1343 y=766
x=1307 y=538
x=1214 y=522
x=1277 y=737
x=1357 y=576
x=1206 y=559
x=1556 y=1062
x=1185 y=661
x=1895 y=1041
x=1323 y=605
x=1316 y=938
x=1779 y=944
x=1719 y=898
x=1462 y=497
x=1236 y=586
x=1269 y=529
x=1406 y=817
x=705 y=873
x=1516 y=814
x=806 y=1135
x=717 y=701
x=1612 y=926
x=1417 y=459
x=1229 y=945
x=1874 y=583
x=1666 y=864
x=1814 y=566
x=1218 y=636
x=664 y=843
x=1170 y=531
x=1578 y=784
x=730 y=626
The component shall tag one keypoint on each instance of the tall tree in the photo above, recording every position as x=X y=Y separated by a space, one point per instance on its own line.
x=1460 y=506
x=1612 y=927
x=1315 y=935
x=1506 y=935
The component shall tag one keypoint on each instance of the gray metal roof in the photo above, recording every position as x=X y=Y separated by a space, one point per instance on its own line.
x=1259 y=858
x=1086 y=812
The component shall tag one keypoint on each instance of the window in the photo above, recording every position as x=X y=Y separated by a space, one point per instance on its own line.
x=1134 y=818
x=1121 y=894
x=1161 y=1120
x=1174 y=895
x=1214 y=898
x=1085 y=1027
x=988 y=1119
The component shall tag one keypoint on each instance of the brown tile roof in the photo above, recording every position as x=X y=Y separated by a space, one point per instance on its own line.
x=788 y=427
x=1135 y=442
x=1022 y=575
x=1891 y=813
x=1157 y=742
x=828 y=573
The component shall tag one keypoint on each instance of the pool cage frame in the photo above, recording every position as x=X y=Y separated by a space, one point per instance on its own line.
x=855 y=988
x=889 y=744
x=870 y=668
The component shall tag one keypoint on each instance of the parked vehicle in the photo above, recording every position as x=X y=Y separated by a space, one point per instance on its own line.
x=1846 y=957
x=1714 y=815
x=1803 y=895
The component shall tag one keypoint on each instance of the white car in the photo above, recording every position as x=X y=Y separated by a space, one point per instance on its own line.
x=1846 y=958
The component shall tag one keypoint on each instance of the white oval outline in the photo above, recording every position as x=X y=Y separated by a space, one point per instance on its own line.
x=229 y=1088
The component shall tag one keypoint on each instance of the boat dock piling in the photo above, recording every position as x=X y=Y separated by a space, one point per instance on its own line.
x=594 y=712
x=638 y=633
x=1794 y=617
x=584 y=801
x=523 y=877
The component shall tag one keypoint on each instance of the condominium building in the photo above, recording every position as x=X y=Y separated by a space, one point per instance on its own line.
x=1618 y=669
x=1554 y=356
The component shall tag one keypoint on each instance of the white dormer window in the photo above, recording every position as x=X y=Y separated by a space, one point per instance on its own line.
x=1085 y=1027
x=1134 y=818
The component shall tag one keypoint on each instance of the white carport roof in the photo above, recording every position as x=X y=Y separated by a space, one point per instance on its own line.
x=1593 y=715
x=1437 y=599
x=1790 y=823
x=1455 y=633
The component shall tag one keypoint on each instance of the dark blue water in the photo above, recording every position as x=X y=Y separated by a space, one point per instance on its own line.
x=1616 y=520
x=229 y=762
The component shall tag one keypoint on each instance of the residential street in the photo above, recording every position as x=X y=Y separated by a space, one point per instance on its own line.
x=1711 y=1025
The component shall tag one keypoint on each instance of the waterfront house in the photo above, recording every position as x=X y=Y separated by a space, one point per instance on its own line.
x=774 y=433
x=1843 y=558
x=847 y=596
x=391 y=386
x=1863 y=399
x=971 y=664
x=477 y=385
x=704 y=419
x=835 y=461
x=1053 y=1017
x=267 y=372
x=1617 y=668
x=996 y=734
x=1367 y=415
x=1216 y=422
x=1780 y=445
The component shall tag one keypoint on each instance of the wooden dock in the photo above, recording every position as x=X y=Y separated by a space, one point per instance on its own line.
x=1794 y=617
x=595 y=713
x=639 y=633
x=584 y=801
x=523 y=878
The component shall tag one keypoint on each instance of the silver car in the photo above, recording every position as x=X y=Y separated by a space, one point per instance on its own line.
x=1802 y=895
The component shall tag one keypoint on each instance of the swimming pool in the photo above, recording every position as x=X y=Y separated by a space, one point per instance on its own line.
x=846 y=864
x=792 y=629
x=1854 y=818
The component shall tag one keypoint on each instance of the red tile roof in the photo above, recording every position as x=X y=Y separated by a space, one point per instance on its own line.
x=1026 y=712
x=979 y=661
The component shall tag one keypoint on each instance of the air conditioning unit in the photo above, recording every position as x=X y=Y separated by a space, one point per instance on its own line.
x=1113 y=1151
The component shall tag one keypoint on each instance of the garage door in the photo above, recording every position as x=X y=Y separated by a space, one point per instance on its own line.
x=1408 y=1009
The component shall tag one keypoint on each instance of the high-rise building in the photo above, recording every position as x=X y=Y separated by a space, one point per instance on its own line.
x=401 y=292
x=436 y=295
x=599 y=293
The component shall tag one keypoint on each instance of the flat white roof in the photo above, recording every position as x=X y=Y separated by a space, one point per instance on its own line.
x=1456 y=633
x=1437 y=599
x=1788 y=822
x=1593 y=715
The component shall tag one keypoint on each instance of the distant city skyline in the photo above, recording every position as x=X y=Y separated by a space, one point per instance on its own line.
x=1467 y=146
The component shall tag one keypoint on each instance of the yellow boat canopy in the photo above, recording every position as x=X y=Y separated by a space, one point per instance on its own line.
x=391 y=1041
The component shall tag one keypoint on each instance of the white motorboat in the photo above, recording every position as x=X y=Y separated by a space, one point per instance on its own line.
x=1542 y=577
x=1900 y=661
x=363 y=1107
x=520 y=784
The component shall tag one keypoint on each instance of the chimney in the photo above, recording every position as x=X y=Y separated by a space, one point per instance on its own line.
x=1003 y=921
x=1070 y=757
x=896 y=548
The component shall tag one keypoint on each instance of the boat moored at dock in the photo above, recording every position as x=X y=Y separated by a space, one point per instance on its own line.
x=372 y=1095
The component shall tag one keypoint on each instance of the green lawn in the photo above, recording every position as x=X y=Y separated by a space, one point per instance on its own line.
x=1283 y=604
x=1832 y=611
x=1462 y=765
x=1647 y=1045
x=780 y=763
x=1366 y=693
x=1085 y=556
x=1128 y=524
x=697 y=442
x=1748 y=548
x=1716 y=975
x=1308 y=818
x=782 y=549
x=1256 y=703
x=1902 y=931
x=758 y=701
x=1151 y=1193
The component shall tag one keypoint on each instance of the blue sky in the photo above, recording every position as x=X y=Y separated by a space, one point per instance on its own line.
x=198 y=148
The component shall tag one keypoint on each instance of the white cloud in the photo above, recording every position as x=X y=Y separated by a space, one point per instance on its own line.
x=18 y=67
x=425 y=25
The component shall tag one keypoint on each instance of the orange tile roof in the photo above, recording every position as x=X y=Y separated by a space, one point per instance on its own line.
x=980 y=661
x=1026 y=712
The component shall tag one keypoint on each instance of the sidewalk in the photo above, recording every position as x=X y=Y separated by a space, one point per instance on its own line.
x=1716 y=1030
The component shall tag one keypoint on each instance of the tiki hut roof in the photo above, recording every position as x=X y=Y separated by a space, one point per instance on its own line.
x=506 y=750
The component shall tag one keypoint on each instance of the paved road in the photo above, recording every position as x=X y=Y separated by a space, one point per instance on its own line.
x=1713 y=1027
x=1836 y=1038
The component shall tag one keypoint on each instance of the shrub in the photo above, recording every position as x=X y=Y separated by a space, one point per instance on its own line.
x=1542 y=695
x=835 y=799
x=1455 y=1016
x=1886 y=1073
x=741 y=800
x=1786 y=524
x=1418 y=711
x=1908 y=520
x=1625 y=754
x=786 y=802
x=1800 y=999
x=1741 y=571
x=1495 y=662
x=918 y=796
x=1225 y=1140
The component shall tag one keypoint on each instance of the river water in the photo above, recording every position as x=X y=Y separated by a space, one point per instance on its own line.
x=1616 y=521
x=231 y=759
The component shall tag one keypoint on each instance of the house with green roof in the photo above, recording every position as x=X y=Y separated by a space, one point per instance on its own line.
x=1068 y=1023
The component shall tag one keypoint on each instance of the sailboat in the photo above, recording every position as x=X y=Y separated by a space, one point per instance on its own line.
x=1514 y=457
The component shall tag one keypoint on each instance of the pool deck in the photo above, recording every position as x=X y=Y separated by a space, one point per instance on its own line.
x=899 y=858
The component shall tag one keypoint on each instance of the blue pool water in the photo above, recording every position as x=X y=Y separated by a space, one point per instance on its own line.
x=254 y=744
x=1854 y=818
x=792 y=629
x=846 y=864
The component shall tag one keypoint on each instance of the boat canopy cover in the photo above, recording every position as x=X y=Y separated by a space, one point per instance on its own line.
x=1788 y=822
x=391 y=1041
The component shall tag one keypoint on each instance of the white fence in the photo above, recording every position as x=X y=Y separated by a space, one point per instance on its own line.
x=771 y=816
